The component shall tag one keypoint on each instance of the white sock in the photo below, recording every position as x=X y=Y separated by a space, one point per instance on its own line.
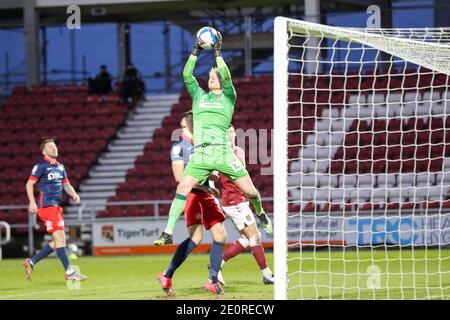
x=267 y=273
x=223 y=262
x=69 y=271
x=168 y=231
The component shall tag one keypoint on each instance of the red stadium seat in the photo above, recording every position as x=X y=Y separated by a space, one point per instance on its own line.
x=67 y=111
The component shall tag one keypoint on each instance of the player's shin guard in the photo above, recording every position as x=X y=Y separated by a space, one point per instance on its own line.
x=257 y=203
x=175 y=212
x=215 y=255
x=183 y=251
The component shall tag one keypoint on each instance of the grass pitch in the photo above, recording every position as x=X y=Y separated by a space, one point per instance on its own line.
x=370 y=274
x=132 y=277
x=393 y=274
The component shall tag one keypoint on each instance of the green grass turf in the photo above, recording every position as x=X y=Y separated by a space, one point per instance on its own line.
x=134 y=277
x=403 y=274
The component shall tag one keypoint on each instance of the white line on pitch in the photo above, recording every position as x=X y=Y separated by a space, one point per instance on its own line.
x=65 y=290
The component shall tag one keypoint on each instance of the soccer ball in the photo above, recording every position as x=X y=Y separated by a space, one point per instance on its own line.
x=73 y=251
x=206 y=37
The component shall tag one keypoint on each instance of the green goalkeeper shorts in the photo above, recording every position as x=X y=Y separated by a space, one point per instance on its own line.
x=207 y=159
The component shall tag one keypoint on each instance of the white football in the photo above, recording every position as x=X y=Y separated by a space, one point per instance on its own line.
x=206 y=37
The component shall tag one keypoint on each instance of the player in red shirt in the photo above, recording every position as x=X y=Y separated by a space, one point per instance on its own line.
x=237 y=207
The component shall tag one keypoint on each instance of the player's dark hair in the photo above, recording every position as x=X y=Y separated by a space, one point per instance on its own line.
x=189 y=120
x=43 y=143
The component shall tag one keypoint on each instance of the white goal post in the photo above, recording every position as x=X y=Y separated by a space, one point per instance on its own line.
x=361 y=162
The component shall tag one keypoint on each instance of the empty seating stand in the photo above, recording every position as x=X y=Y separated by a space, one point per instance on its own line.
x=82 y=125
x=367 y=150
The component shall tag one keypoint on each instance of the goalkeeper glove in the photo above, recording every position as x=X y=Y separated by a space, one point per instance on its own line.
x=265 y=223
x=196 y=50
x=218 y=45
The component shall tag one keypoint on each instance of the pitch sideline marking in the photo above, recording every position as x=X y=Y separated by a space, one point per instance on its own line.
x=63 y=290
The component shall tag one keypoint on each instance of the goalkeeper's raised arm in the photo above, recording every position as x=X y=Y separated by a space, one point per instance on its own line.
x=190 y=81
x=225 y=75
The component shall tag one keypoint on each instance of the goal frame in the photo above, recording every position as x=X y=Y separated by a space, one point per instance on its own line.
x=280 y=114
x=280 y=149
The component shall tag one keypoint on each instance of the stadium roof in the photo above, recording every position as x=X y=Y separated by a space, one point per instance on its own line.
x=98 y=11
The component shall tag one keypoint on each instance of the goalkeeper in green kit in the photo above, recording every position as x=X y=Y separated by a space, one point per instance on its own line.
x=212 y=114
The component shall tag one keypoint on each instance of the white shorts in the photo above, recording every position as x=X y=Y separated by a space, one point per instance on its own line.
x=241 y=215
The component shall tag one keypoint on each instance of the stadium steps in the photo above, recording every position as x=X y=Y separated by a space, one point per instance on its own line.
x=101 y=181
x=116 y=155
x=122 y=152
x=97 y=187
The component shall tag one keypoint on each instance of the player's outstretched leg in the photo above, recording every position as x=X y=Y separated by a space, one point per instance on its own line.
x=237 y=247
x=260 y=257
x=257 y=251
x=245 y=184
x=244 y=221
x=181 y=254
x=219 y=237
x=176 y=209
x=28 y=264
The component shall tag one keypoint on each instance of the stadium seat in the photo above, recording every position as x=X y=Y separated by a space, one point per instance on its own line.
x=72 y=121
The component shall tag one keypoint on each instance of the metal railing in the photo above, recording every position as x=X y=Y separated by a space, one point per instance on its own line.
x=86 y=214
x=7 y=236
x=87 y=210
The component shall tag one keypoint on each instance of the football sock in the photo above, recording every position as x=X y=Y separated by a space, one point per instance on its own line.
x=215 y=258
x=260 y=257
x=62 y=255
x=176 y=209
x=237 y=247
x=257 y=203
x=183 y=250
x=267 y=273
x=42 y=254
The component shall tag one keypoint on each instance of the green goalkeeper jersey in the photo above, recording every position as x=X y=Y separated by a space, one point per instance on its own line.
x=212 y=113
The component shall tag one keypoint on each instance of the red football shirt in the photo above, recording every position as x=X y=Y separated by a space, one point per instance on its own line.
x=231 y=195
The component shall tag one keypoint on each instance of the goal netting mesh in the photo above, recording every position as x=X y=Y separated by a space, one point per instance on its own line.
x=362 y=162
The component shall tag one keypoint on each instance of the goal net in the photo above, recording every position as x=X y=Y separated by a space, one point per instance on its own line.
x=362 y=165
